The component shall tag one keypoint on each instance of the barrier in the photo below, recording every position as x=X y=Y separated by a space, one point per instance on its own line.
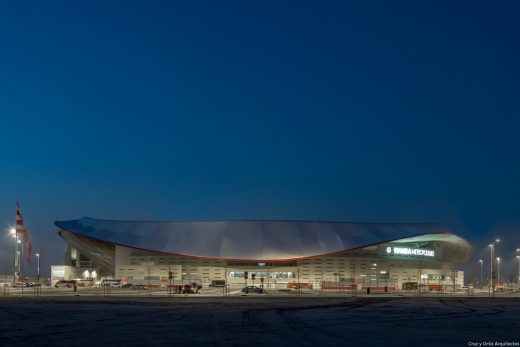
x=299 y=285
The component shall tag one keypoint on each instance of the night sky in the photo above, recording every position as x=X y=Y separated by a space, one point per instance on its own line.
x=368 y=111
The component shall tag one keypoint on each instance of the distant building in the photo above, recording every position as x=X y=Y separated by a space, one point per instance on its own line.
x=322 y=255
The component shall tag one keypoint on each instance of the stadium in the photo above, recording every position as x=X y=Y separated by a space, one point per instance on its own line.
x=314 y=254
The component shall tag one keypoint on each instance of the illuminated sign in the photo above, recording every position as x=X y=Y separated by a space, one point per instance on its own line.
x=410 y=251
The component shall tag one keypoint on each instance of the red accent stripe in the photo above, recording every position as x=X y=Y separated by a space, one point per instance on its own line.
x=20 y=230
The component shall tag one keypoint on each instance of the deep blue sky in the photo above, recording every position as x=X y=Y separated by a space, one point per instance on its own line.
x=374 y=111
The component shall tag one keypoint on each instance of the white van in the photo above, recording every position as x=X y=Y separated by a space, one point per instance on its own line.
x=111 y=283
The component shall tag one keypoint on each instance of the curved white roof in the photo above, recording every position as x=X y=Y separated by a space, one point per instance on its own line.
x=251 y=240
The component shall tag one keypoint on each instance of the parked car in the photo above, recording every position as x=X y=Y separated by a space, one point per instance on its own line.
x=252 y=289
x=127 y=285
x=65 y=284
x=193 y=288
x=217 y=283
x=17 y=285
x=84 y=283
x=111 y=283
x=139 y=287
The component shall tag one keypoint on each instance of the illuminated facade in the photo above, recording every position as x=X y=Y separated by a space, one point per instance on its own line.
x=322 y=255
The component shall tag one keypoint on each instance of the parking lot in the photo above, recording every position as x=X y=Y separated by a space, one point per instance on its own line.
x=232 y=291
x=255 y=320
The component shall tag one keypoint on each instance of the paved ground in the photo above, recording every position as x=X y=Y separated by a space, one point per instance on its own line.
x=257 y=321
x=235 y=291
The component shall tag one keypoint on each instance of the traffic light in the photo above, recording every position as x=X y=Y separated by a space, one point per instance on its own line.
x=253 y=276
x=246 y=275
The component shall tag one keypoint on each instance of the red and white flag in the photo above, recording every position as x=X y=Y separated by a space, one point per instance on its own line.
x=23 y=234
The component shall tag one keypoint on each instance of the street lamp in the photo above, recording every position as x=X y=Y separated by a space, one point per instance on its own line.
x=38 y=266
x=518 y=257
x=481 y=262
x=498 y=270
x=518 y=278
x=491 y=246
x=492 y=283
x=12 y=232
x=20 y=255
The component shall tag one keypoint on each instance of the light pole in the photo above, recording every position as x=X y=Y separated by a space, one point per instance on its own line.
x=498 y=270
x=20 y=261
x=481 y=262
x=12 y=232
x=491 y=260
x=491 y=287
x=20 y=255
x=518 y=257
x=38 y=266
x=518 y=278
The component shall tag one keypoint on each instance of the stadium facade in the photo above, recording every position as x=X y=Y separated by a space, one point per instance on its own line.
x=319 y=254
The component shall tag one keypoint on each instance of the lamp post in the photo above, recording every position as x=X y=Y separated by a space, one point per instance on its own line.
x=498 y=270
x=20 y=255
x=38 y=265
x=518 y=278
x=492 y=283
x=491 y=286
x=12 y=232
x=518 y=257
x=481 y=262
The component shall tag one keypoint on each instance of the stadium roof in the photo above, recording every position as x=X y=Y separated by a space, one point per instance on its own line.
x=253 y=240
